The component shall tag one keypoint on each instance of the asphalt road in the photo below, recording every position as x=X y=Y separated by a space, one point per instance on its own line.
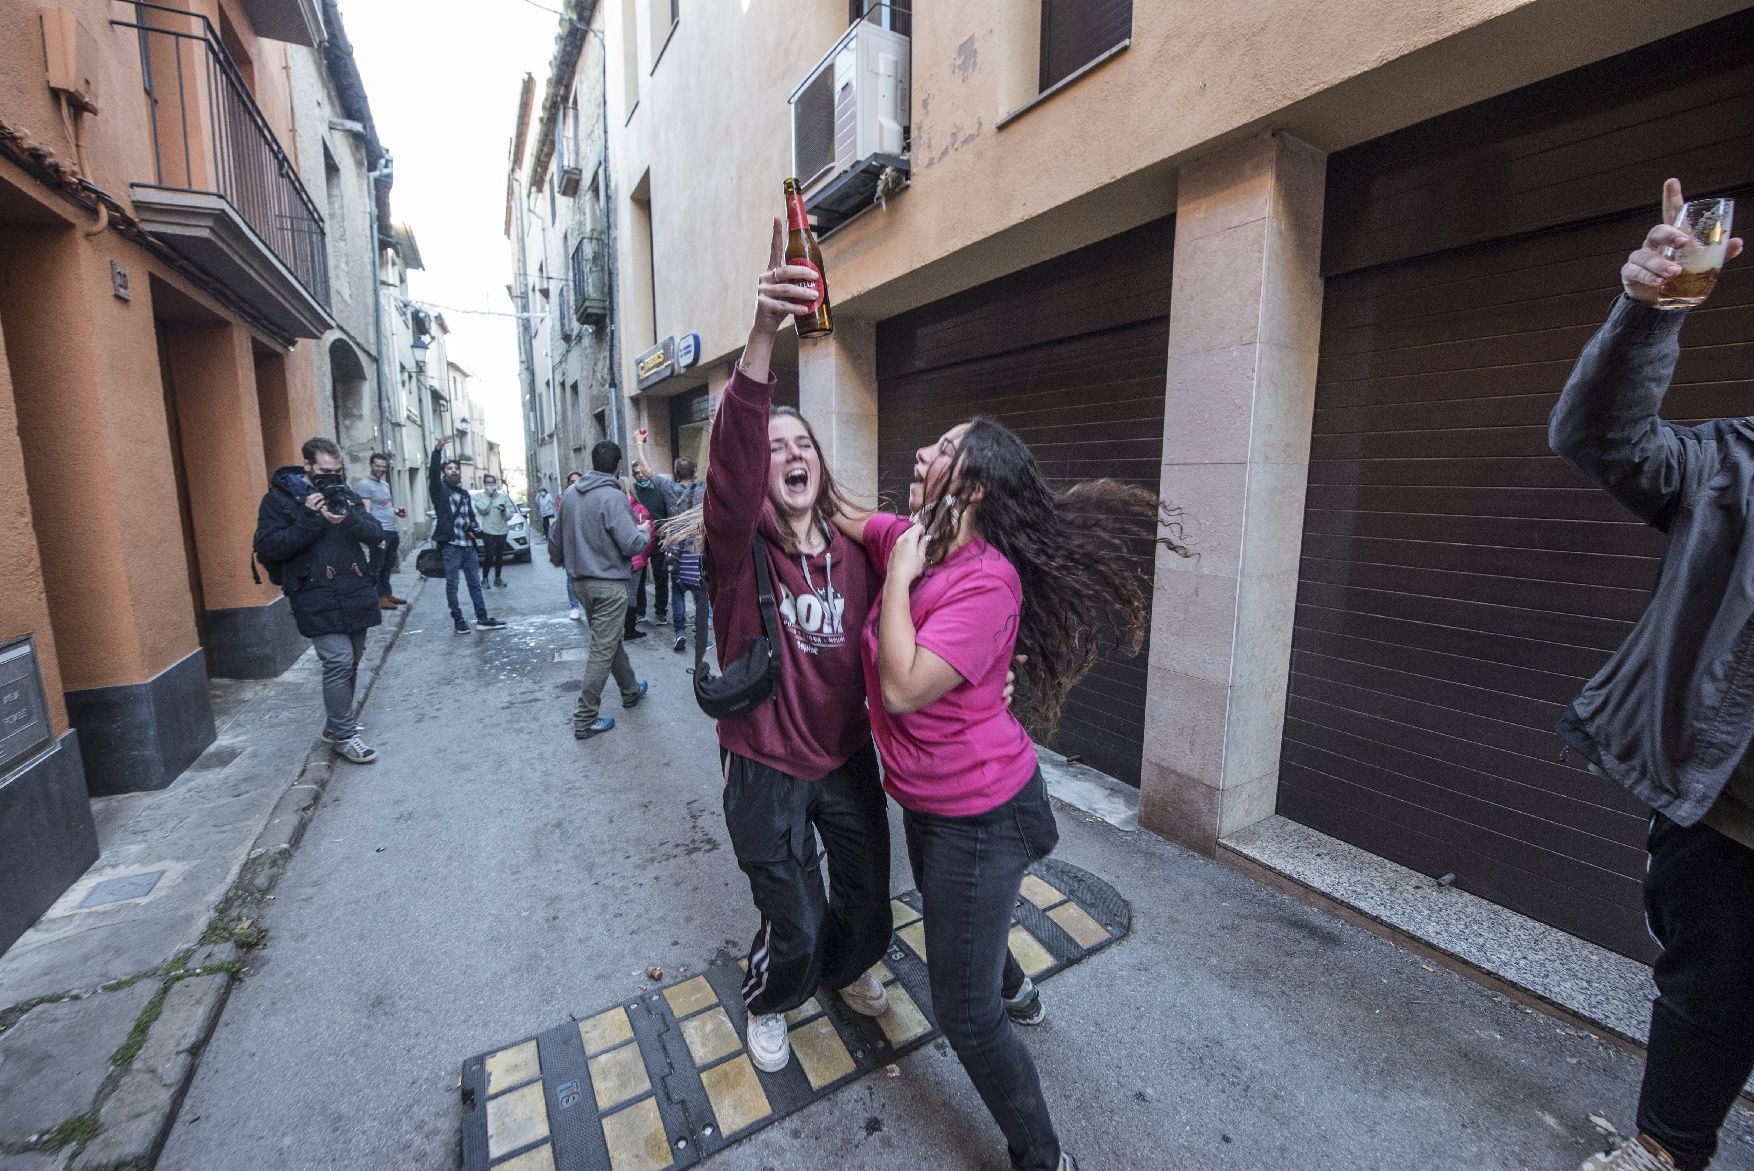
x=490 y=875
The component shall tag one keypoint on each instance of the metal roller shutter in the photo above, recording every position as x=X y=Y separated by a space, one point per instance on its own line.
x=1072 y=354
x=1459 y=582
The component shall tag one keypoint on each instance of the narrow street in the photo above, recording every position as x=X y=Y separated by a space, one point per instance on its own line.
x=490 y=876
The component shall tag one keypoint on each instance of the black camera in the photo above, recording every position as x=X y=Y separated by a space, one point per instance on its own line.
x=337 y=496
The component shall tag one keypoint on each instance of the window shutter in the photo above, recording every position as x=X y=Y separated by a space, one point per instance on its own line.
x=1076 y=32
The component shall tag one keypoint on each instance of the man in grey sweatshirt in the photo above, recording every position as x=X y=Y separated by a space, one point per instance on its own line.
x=599 y=538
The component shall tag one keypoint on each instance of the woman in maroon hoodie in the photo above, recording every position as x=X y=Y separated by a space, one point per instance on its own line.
x=800 y=765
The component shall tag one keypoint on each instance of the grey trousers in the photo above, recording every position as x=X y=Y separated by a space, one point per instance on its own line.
x=606 y=610
x=340 y=655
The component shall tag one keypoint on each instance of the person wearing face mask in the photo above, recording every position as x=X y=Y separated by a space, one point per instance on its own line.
x=311 y=533
x=800 y=765
x=493 y=509
x=454 y=529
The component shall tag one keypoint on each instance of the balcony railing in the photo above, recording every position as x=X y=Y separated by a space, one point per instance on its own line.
x=590 y=277
x=209 y=137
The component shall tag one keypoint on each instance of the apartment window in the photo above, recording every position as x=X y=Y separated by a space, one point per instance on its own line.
x=663 y=16
x=896 y=17
x=1076 y=32
x=640 y=224
x=601 y=421
x=630 y=54
x=338 y=245
x=594 y=202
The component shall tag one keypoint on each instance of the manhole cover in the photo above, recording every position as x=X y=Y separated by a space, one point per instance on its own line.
x=120 y=890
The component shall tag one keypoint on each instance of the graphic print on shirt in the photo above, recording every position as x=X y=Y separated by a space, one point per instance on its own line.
x=817 y=619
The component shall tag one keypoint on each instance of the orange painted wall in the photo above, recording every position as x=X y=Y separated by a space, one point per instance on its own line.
x=214 y=381
x=118 y=140
x=79 y=489
x=24 y=605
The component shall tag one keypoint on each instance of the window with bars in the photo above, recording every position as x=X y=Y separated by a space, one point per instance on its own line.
x=1076 y=32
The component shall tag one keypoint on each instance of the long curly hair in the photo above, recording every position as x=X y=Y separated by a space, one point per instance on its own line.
x=689 y=528
x=1070 y=551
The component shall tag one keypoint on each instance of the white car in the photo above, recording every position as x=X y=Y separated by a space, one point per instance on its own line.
x=518 y=535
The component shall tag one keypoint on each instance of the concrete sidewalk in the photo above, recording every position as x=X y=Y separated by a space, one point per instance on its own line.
x=492 y=876
x=107 y=1000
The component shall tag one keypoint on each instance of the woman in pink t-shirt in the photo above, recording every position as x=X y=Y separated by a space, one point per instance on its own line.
x=996 y=566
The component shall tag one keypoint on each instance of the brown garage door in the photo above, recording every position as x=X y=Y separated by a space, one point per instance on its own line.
x=1459 y=582
x=1072 y=354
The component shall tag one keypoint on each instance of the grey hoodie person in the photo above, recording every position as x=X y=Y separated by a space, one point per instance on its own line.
x=598 y=532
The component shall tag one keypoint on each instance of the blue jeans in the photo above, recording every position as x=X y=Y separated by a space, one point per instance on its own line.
x=679 y=595
x=572 y=599
x=969 y=871
x=464 y=559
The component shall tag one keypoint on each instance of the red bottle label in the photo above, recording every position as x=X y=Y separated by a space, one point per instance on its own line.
x=797 y=220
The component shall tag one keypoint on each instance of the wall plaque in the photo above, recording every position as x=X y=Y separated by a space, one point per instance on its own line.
x=24 y=710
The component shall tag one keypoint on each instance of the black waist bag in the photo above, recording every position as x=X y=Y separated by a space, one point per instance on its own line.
x=751 y=680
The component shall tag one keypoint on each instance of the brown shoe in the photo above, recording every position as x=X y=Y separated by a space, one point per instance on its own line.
x=386 y=603
x=398 y=601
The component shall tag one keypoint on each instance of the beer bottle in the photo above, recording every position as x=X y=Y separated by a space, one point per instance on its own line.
x=801 y=249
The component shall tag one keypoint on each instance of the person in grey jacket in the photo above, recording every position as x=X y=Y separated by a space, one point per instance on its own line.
x=1671 y=715
x=599 y=538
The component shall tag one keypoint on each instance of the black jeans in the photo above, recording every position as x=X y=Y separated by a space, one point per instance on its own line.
x=1699 y=900
x=804 y=939
x=382 y=560
x=658 y=569
x=969 y=871
x=497 y=546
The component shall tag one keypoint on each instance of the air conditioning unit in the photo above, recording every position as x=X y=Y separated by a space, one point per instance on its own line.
x=851 y=109
x=570 y=178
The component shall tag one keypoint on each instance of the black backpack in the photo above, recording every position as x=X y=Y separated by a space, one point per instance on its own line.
x=276 y=570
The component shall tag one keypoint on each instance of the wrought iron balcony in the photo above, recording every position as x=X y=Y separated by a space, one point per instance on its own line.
x=590 y=278
x=222 y=192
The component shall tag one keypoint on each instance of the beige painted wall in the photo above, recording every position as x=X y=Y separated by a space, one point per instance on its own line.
x=712 y=126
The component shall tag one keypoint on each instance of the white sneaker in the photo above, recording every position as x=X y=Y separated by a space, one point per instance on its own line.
x=574 y=614
x=866 y=996
x=356 y=750
x=1641 y=1153
x=770 y=1046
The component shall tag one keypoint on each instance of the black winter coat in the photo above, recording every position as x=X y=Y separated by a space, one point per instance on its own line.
x=324 y=568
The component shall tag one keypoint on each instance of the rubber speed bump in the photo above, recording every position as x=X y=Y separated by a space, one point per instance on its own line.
x=662 y=1081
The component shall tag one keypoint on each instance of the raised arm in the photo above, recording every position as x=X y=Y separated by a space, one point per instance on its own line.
x=435 y=481
x=1606 y=423
x=736 y=481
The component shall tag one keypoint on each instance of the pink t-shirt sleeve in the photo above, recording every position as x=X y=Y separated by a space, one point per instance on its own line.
x=882 y=531
x=973 y=626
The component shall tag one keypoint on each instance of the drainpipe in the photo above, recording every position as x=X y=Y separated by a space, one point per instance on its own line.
x=384 y=168
x=617 y=399
x=371 y=199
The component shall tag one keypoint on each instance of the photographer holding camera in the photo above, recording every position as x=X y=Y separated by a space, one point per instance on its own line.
x=310 y=531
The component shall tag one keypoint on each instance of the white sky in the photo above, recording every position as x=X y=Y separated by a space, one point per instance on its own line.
x=443 y=78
